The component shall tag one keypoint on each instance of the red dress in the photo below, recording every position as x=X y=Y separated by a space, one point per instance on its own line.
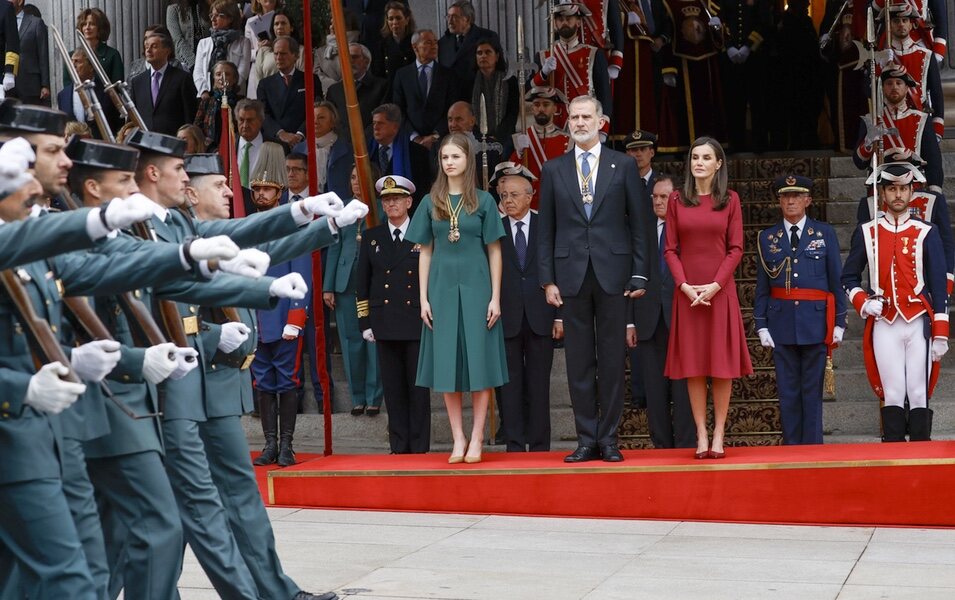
x=703 y=246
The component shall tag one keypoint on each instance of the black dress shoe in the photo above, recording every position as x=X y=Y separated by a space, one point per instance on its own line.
x=582 y=454
x=373 y=411
x=611 y=454
x=309 y=596
x=358 y=410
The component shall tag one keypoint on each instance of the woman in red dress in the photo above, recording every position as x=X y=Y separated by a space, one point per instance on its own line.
x=704 y=244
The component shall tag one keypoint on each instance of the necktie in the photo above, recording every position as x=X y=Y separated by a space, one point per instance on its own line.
x=585 y=171
x=244 y=165
x=157 y=76
x=662 y=247
x=397 y=236
x=295 y=198
x=384 y=160
x=648 y=15
x=794 y=237
x=423 y=81
x=168 y=219
x=520 y=244
x=458 y=42
x=287 y=79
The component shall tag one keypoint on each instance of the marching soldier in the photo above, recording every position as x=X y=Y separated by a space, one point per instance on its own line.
x=901 y=127
x=906 y=307
x=543 y=140
x=387 y=291
x=800 y=310
x=927 y=206
x=931 y=29
x=574 y=68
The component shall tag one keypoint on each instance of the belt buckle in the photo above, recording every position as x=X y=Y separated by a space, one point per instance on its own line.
x=247 y=362
x=191 y=325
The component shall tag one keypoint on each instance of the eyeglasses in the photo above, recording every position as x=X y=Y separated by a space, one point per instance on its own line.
x=291 y=169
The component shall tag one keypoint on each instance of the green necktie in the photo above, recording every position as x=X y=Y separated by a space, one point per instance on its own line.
x=244 y=165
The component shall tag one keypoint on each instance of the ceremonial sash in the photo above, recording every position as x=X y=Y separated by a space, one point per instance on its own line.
x=591 y=24
x=560 y=53
x=781 y=293
x=537 y=147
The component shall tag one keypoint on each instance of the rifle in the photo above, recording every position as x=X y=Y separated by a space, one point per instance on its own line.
x=484 y=174
x=118 y=90
x=88 y=97
x=832 y=28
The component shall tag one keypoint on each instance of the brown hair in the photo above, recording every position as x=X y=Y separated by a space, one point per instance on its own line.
x=720 y=191
x=258 y=9
x=439 y=190
x=229 y=9
x=99 y=17
x=195 y=135
x=405 y=10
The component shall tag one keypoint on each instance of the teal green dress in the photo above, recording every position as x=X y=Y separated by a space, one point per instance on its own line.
x=460 y=354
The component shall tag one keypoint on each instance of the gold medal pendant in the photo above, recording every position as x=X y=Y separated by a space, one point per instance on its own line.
x=454 y=235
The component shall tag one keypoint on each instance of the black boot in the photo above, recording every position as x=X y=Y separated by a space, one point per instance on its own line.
x=893 y=424
x=270 y=421
x=288 y=411
x=920 y=425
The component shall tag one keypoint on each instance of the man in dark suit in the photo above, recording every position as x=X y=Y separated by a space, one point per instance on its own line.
x=371 y=90
x=164 y=95
x=33 y=77
x=456 y=48
x=393 y=153
x=68 y=99
x=284 y=95
x=670 y=426
x=530 y=324
x=592 y=245
x=388 y=311
x=425 y=90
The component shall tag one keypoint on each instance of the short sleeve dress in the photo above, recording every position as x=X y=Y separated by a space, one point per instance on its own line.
x=702 y=246
x=460 y=354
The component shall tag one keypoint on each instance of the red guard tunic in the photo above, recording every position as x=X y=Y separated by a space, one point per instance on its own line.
x=546 y=143
x=910 y=124
x=599 y=31
x=927 y=97
x=574 y=74
x=931 y=29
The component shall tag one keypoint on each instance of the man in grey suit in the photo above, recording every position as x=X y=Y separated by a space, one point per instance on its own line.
x=33 y=76
x=592 y=244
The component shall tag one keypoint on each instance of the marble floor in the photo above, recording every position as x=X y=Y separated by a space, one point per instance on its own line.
x=378 y=556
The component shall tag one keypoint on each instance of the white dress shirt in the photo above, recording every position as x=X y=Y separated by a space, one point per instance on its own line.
x=801 y=225
x=594 y=160
x=256 y=143
x=526 y=220
x=402 y=228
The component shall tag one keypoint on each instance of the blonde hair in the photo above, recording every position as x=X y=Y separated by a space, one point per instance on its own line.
x=194 y=136
x=77 y=128
x=440 y=194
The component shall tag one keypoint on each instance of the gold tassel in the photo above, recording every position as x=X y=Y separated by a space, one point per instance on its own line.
x=829 y=381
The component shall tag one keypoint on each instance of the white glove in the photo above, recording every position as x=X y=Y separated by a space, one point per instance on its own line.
x=232 y=336
x=47 y=393
x=549 y=66
x=353 y=211
x=522 y=142
x=185 y=362
x=633 y=18
x=95 y=360
x=765 y=340
x=159 y=363
x=15 y=158
x=289 y=286
x=742 y=55
x=291 y=331
x=732 y=52
x=873 y=132
x=824 y=40
x=120 y=214
x=884 y=57
x=248 y=263
x=219 y=247
x=327 y=204
x=715 y=22
x=837 y=333
x=9 y=82
x=613 y=71
x=871 y=308
x=669 y=80
x=3 y=94
x=368 y=335
x=939 y=348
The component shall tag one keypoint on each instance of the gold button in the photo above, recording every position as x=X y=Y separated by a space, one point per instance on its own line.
x=125 y=377
x=388 y=272
x=386 y=286
x=795 y=274
x=47 y=302
x=386 y=302
x=796 y=302
x=192 y=309
x=213 y=367
x=138 y=293
x=5 y=405
x=795 y=261
x=53 y=328
x=409 y=287
x=410 y=272
x=6 y=415
x=408 y=302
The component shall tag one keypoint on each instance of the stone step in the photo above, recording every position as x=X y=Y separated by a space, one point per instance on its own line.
x=842 y=167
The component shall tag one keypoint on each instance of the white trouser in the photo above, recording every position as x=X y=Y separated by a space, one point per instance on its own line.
x=901 y=353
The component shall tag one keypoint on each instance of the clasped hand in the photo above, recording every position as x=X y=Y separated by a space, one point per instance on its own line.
x=700 y=294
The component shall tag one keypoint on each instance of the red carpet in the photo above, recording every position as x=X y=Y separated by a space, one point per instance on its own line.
x=844 y=484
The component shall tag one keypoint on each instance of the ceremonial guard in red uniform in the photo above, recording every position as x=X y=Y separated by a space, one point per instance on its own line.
x=902 y=127
x=906 y=309
x=647 y=30
x=932 y=26
x=930 y=207
x=574 y=68
x=745 y=69
x=603 y=29
x=844 y=24
x=691 y=104
x=543 y=140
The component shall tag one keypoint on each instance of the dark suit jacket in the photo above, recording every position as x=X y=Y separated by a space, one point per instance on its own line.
x=285 y=105
x=175 y=104
x=521 y=292
x=372 y=92
x=34 y=58
x=659 y=297
x=389 y=273
x=64 y=102
x=614 y=240
x=463 y=62
x=426 y=115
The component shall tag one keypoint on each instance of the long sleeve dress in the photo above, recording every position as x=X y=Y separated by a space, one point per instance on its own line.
x=460 y=354
x=702 y=246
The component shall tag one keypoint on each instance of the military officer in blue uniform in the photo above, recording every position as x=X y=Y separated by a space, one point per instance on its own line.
x=361 y=359
x=800 y=310
x=387 y=292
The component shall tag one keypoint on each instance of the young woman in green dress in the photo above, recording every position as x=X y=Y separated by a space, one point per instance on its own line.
x=462 y=344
